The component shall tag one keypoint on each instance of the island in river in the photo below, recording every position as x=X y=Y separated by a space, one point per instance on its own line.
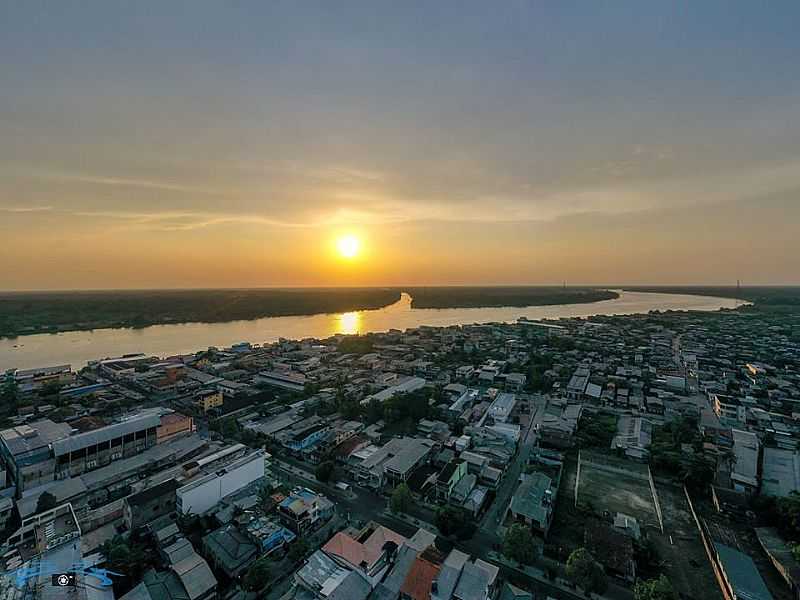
x=23 y=313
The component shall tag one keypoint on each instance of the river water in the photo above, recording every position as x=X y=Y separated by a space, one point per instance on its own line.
x=79 y=347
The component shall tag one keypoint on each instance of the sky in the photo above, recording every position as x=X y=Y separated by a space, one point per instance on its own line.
x=231 y=144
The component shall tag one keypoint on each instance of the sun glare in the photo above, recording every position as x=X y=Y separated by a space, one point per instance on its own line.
x=348 y=246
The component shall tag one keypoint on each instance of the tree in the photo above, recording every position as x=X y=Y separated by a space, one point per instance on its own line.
x=454 y=522
x=401 y=499
x=518 y=544
x=46 y=501
x=258 y=575
x=126 y=557
x=324 y=471
x=265 y=497
x=584 y=571
x=297 y=551
x=698 y=473
x=654 y=589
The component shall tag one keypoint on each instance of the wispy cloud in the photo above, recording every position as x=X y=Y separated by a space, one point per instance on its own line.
x=25 y=209
x=131 y=182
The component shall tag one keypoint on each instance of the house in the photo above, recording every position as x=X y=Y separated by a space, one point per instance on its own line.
x=323 y=578
x=230 y=550
x=448 y=477
x=462 y=490
x=191 y=570
x=304 y=510
x=533 y=503
x=268 y=536
x=420 y=579
x=512 y=592
x=371 y=551
x=577 y=384
x=502 y=407
x=633 y=437
x=515 y=382
x=394 y=462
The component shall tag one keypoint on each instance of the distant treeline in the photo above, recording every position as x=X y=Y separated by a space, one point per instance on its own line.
x=758 y=295
x=35 y=312
x=516 y=296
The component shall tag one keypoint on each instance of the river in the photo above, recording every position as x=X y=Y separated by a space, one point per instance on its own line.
x=79 y=347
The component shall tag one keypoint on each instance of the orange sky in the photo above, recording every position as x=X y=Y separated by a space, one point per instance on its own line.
x=229 y=146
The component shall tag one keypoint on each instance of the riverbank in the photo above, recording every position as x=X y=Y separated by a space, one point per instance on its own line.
x=499 y=296
x=79 y=347
x=29 y=313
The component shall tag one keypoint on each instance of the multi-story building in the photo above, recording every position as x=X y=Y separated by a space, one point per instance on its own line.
x=44 y=451
x=448 y=477
x=143 y=507
x=304 y=510
x=78 y=454
x=27 y=453
x=206 y=400
x=203 y=493
x=728 y=407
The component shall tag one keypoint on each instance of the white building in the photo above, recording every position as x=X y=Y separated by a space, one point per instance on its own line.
x=502 y=407
x=204 y=493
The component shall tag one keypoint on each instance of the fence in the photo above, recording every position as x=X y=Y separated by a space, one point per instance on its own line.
x=723 y=585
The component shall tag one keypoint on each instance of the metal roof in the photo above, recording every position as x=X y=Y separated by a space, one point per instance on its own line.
x=105 y=434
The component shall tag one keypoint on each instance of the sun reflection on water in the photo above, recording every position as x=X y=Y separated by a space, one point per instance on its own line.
x=349 y=323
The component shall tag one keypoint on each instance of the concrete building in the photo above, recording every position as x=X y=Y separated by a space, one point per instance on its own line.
x=26 y=451
x=304 y=510
x=206 y=400
x=633 y=437
x=744 y=475
x=448 y=477
x=502 y=407
x=202 y=494
x=143 y=507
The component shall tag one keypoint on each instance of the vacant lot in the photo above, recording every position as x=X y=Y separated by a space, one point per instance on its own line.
x=616 y=486
x=680 y=550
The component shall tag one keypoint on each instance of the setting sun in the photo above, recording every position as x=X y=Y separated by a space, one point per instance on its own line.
x=348 y=246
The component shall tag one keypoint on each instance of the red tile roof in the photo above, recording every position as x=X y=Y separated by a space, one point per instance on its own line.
x=417 y=584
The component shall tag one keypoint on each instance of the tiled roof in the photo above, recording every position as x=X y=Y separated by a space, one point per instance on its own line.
x=417 y=584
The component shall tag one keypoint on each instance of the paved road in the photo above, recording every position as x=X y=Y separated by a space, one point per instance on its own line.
x=494 y=516
x=362 y=505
